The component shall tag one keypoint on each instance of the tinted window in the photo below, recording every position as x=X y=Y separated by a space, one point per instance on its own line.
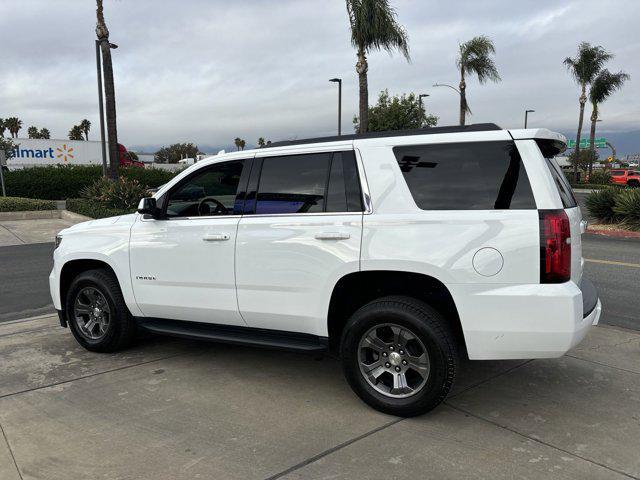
x=343 y=193
x=564 y=189
x=466 y=176
x=293 y=184
x=211 y=191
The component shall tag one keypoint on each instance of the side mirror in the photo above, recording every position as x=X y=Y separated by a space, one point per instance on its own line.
x=147 y=206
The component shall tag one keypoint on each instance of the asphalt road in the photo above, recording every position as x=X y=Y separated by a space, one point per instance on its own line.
x=24 y=280
x=612 y=264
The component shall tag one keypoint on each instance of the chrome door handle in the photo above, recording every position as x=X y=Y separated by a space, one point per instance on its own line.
x=332 y=236
x=217 y=237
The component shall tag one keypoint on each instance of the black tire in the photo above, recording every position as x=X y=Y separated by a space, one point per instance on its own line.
x=121 y=329
x=634 y=183
x=427 y=325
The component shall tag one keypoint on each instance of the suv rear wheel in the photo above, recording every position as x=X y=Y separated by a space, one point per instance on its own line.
x=633 y=183
x=399 y=355
x=96 y=312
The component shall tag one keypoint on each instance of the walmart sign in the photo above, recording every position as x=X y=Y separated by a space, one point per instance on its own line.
x=33 y=152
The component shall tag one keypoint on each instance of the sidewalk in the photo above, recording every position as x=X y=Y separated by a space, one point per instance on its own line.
x=174 y=409
x=42 y=230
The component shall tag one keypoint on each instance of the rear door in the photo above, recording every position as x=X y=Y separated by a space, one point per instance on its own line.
x=299 y=234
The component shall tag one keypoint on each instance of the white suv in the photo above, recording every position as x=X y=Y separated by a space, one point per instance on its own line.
x=400 y=251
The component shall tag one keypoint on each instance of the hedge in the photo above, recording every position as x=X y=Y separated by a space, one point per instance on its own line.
x=590 y=186
x=61 y=182
x=93 y=208
x=616 y=205
x=19 y=204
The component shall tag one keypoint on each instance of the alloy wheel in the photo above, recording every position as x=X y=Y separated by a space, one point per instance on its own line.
x=393 y=360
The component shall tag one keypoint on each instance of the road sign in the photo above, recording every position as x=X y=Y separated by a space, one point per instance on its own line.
x=584 y=143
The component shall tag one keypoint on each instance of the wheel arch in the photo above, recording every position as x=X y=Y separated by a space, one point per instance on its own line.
x=359 y=288
x=73 y=268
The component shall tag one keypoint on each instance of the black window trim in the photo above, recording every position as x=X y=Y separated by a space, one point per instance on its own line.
x=257 y=167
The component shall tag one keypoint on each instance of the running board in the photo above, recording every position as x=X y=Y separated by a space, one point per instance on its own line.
x=256 y=337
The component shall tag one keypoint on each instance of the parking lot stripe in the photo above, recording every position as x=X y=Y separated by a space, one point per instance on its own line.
x=612 y=262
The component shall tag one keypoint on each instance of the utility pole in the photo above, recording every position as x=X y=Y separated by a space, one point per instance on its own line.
x=101 y=102
x=526 y=114
x=339 y=82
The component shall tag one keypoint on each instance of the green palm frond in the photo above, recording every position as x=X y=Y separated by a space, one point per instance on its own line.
x=475 y=57
x=374 y=27
x=589 y=61
x=605 y=84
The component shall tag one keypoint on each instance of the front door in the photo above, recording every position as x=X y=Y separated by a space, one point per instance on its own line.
x=300 y=233
x=182 y=267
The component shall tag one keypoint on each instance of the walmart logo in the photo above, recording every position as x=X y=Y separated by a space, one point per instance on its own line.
x=64 y=152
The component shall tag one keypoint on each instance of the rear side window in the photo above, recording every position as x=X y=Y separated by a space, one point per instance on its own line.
x=564 y=189
x=309 y=183
x=466 y=176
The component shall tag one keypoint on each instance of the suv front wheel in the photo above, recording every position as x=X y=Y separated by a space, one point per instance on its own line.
x=97 y=313
x=399 y=355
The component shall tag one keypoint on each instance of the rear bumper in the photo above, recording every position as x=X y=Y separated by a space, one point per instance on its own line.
x=525 y=321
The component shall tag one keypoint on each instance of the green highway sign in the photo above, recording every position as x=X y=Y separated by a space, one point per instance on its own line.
x=584 y=143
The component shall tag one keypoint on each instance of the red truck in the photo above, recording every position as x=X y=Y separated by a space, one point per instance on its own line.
x=627 y=177
x=125 y=158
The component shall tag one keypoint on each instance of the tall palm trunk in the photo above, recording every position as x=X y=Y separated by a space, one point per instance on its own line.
x=362 y=67
x=463 y=99
x=583 y=100
x=592 y=135
x=109 y=93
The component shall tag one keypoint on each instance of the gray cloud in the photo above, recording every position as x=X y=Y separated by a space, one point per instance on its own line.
x=208 y=71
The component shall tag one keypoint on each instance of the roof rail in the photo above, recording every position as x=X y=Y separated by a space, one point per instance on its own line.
x=478 y=127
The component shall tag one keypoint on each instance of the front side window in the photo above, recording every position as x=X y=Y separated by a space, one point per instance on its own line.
x=617 y=173
x=209 y=192
x=466 y=176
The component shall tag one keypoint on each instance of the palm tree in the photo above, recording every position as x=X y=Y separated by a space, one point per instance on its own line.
x=601 y=88
x=102 y=32
x=373 y=27
x=475 y=57
x=242 y=144
x=261 y=142
x=33 y=132
x=585 y=67
x=13 y=124
x=3 y=127
x=44 y=133
x=85 y=125
x=76 y=133
x=237 y=141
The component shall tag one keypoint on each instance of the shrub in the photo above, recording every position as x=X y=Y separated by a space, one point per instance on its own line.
x=627 y=207
x=123 y=194
x=66 y=181
x=601 y=202
x=18 y=204
x=93 y=208
x=600 y=177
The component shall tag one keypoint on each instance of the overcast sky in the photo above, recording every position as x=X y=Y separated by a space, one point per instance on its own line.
x=206 y=71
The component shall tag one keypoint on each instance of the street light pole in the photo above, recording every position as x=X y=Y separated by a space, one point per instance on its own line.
x=101 y=101
x=526 y=115
x=339 y=82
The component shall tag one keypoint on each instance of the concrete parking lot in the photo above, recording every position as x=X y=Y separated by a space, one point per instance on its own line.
x=174 y=409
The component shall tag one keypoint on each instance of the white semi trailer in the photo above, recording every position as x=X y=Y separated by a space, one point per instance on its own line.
x=31 y=152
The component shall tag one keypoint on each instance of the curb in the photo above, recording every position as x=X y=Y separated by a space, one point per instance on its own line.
x=43 y=215
x=617 y=233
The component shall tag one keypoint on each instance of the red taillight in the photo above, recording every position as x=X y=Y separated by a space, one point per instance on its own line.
x=555 y=246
